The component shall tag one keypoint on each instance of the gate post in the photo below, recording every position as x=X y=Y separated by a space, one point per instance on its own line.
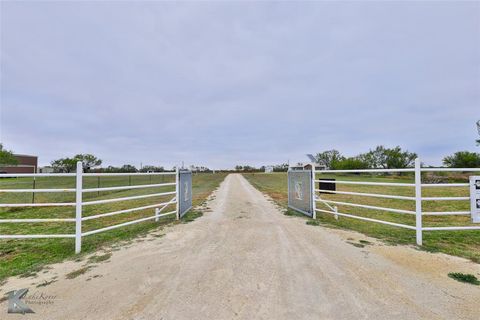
x=288 y=188
x=177 y=189
x=314 y=204
x=418 y=201
x=78 y=207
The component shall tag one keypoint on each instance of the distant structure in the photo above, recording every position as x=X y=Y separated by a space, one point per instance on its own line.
x=26 y=164
x=308 y=165
x=46 y=169
x=199 y=168
x=268 y=169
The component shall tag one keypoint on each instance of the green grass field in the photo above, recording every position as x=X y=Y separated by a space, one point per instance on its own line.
x=24 y=256
x=460 y=243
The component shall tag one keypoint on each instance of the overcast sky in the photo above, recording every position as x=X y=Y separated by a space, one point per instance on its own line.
x=220 y=84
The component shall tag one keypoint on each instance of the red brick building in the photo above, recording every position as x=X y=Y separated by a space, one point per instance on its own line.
x=26 y=164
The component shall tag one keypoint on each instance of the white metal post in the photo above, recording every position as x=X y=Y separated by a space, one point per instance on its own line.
x=288 y=188
x=157 y=212
x=335 y=209
x=78 y=207
x=314 y=205
x=177 y=189
x=418 y=201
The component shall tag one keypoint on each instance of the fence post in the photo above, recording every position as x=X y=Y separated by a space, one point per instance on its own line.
x=177 y=190
x=335 y=209
x=34 y=187
x=288 y=189
x=78 y=207
x=418 y=201
x=157 y=212
x=314 y=204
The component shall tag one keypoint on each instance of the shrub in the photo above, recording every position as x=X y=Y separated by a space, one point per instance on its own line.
x=463 y=159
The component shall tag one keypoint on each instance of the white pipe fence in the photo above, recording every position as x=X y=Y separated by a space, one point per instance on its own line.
x=418 y=199
x=79 y=190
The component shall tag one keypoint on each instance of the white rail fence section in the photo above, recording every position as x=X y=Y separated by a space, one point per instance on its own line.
x=79 y=190
x=303 y=190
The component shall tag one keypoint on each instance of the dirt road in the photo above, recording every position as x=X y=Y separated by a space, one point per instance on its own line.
x=244 y=259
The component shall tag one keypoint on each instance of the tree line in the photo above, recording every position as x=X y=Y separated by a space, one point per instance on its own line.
x=390 y=158
x=276 y=168
x=379 y=157
x=91 y=163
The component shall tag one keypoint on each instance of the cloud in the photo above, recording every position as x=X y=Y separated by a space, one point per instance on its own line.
x=224 y=83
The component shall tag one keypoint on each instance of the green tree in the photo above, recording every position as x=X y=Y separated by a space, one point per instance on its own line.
x=89 y=161
x=326 y=158
x=352 y=163
x=388 y=158
x=7 y=157
x=375 y=158
x=463 y=159
x=152 y=169
x=66 y=165
x=397 y=158
x=280 y=168
x=128 y=168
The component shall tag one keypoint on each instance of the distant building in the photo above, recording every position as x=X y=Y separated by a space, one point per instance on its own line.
x=307 y=166
x=46 y=169
x=268 y=169
x=26 y=164
x=199 y=169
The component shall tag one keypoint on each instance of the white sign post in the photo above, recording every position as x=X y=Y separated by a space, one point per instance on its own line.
x=475 y=198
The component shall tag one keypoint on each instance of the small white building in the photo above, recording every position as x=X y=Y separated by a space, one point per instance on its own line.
x=46 y=169
x=307 y=166
x=268 y=169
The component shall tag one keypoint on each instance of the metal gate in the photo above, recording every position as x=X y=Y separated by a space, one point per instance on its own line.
x=184 y=192
x=300 y=191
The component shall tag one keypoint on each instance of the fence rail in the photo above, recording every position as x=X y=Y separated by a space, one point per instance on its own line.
x=79 y=202
x=417 y=199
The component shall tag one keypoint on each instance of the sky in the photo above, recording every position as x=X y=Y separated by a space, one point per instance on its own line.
x=226 y=83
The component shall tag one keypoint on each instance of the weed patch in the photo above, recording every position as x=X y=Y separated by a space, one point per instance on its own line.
x=466 y=278
x=293 y=213
x=358 y=245
x=46 y=283
x=76 y=273
x=191 y=216
x=365 y=242
x=98 y=259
